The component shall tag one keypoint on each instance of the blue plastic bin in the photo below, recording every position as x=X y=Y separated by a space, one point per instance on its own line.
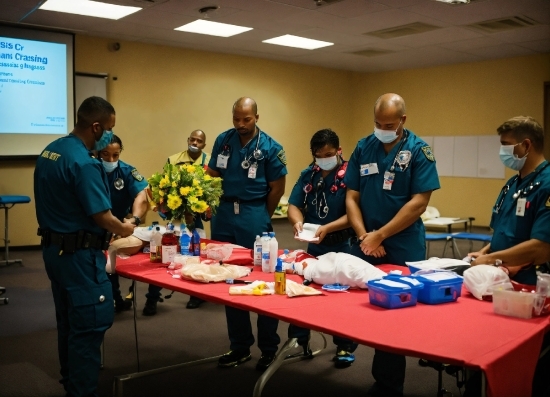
x=439 y=287
x=393 y=293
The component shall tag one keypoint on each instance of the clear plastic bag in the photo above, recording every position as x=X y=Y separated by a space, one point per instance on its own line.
x=482 y=280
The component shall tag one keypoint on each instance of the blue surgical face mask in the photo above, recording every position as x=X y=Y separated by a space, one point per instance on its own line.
x=326 y=163
x=386 y=136
x=104 y=141
x=509 y=159
x=109 y=166
x=194 y=149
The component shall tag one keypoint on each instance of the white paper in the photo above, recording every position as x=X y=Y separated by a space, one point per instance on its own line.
x=308 y=233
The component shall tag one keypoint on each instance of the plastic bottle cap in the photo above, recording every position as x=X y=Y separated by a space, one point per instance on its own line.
x=286 y=252
x=279 y=266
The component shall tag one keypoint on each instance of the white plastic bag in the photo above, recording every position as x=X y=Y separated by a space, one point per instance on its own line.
x=482 y=280
x=219 y=252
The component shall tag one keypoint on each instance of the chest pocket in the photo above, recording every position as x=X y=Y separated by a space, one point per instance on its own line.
x=401 y=183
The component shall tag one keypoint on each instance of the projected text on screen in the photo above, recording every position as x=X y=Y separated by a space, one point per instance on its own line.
x=33 y=86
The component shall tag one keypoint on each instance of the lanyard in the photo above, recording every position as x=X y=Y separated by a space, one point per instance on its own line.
x=521 y=192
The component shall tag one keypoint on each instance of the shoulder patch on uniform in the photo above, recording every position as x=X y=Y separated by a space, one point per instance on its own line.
x=547 y=205
x=282 y=156
x=137 y=176
x=428 y=153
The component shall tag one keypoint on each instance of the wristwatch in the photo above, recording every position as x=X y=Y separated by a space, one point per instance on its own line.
x=137 y=221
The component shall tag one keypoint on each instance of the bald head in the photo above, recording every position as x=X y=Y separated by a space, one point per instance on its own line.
x=245 y=103
x=196 y=143
x=199 y=134
x=390 y=103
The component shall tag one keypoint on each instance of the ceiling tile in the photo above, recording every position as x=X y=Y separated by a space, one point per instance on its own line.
x=352 y=8
x=477 y=42
x=501 y=51
x=542 y=46
x=438 y=36
x=540 y=32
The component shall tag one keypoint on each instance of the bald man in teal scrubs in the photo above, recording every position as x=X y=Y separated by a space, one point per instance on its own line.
x=390 y=178
x=253 y=168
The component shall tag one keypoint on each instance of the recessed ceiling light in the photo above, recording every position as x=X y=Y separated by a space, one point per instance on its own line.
x=454 y=2
x=213 y=28
x=89 y=8
x=289 y=40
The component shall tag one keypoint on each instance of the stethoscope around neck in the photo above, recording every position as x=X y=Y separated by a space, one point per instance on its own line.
x=252 y=159
x=402 y=164
x=521 y=192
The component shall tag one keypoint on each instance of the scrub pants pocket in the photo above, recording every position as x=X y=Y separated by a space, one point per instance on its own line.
x=91 y=307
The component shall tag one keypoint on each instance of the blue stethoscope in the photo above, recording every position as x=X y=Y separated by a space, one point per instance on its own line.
x=248 y=162
x=521 y=192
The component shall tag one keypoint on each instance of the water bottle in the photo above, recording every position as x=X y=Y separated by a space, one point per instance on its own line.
x=196 y=240
x=258 y=251
x=265 y=252
x=155 y=246
x=273 y=252
x=169 y=244
x=186 y=242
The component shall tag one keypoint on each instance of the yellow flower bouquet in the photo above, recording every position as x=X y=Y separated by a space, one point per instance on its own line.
x=184 y=189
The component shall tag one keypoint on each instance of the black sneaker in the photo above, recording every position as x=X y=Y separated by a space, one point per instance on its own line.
x=150 y=308
x=234 y=358
x=194 y=302
x=265 y=361
x=122 y=306
x=343 y=359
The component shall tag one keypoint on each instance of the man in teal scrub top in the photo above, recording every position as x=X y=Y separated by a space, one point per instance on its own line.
x=521 y=215
x=390 y=178
x=253 y=168
x=73 y=209
x=521 y=224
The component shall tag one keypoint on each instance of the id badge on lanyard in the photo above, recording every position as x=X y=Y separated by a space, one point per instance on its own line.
x=222 y=161
x=252 y=171
x=389 y=177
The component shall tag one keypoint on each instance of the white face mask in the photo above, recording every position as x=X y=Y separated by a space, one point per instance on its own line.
x=386 y=136
x=109 y=166
x=194 y=149
x=326 y=163
x=509 y=159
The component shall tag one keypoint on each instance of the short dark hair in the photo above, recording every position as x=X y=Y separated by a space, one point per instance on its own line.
x=322 y=138
x=93 y=109
x=524 y=127
x=116 y=139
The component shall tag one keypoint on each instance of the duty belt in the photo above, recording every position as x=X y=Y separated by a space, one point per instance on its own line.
x=338 y=237
x=234 y=199
x=70 y=242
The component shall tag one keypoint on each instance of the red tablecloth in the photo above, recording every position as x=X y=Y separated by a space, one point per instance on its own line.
x=465 y=333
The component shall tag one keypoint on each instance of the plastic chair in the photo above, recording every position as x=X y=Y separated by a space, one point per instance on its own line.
x=485 y=238
x=8 y=202
x=441 y=237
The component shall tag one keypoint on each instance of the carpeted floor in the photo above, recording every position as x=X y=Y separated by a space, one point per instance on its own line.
x=29 y=364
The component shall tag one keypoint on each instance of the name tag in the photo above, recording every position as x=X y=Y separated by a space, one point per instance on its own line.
x=368 y=169
x=520 y=208
x=222 y=161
